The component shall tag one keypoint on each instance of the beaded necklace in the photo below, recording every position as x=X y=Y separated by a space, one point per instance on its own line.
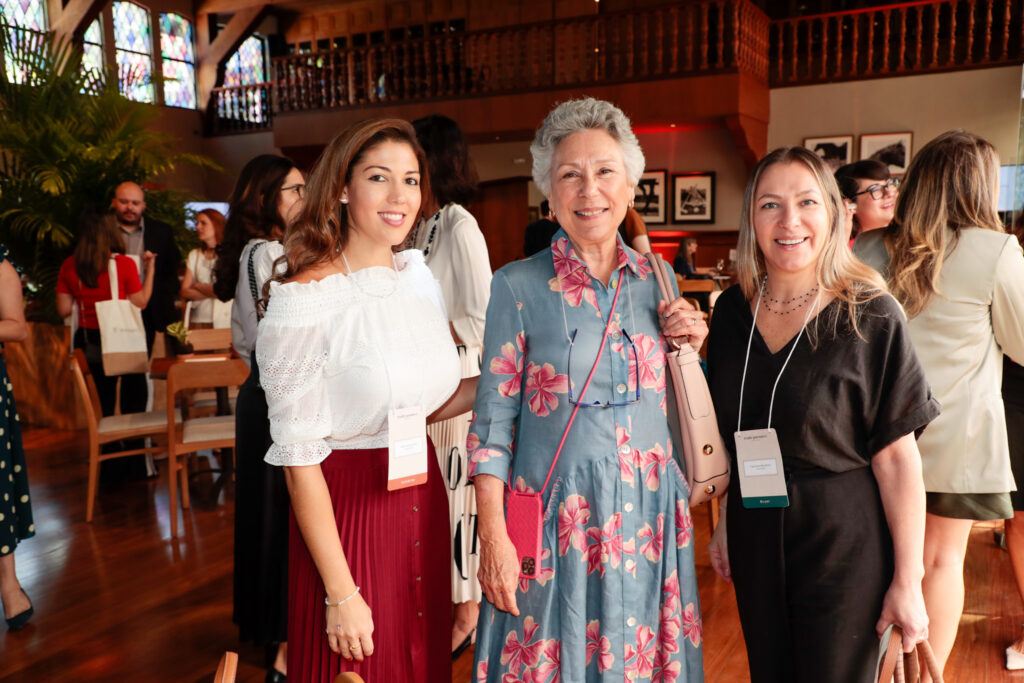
x=435 y=221
x=795 y=303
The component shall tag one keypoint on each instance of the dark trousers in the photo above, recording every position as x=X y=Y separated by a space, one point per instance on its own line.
x=134 y=396
x=810 y=578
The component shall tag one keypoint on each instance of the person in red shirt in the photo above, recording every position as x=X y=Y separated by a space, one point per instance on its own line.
x=84 y=280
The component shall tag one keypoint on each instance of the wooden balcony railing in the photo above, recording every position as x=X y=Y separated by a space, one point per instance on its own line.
x=713 y=36
x=240 y=108
x=914 y=37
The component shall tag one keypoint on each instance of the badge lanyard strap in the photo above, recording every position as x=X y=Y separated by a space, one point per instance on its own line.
x=746 y=359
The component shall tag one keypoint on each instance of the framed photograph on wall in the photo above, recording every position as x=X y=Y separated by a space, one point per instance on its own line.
x=693 y=197
x=651 y=201
x=836 y=150
x=893 y=149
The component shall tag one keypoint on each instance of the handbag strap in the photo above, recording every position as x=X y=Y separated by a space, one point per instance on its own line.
x=899 y=666
x=251 y=270
x=576 y=408
x=112 y=276
x=660 y=275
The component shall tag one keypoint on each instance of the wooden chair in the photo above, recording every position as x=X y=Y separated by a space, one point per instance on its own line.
x=348 y=677
x=227 y=669
x=204 y=341
x=200 y=433
x=103 y=430
x=694 y=285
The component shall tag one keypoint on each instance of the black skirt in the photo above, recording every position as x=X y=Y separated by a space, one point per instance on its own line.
x=810 y=578
x=261 y=524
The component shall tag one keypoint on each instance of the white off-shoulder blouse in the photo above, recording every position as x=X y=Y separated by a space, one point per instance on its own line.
x=337 y=354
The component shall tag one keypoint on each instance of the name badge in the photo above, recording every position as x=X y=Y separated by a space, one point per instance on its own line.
x=762 y=479
x=407 y=448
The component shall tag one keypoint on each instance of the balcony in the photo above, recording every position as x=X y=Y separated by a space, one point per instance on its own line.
x=691 y=40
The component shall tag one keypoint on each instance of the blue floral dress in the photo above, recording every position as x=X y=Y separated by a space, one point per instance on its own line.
x=616 y=597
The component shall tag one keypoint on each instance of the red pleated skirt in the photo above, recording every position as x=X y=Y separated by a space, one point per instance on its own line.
x=396 y=544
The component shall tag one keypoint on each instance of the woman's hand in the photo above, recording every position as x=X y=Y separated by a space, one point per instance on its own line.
x=718 y=547
x=904 y=606
x=148 y=258
x=499 y=573
x=350 y=629
x=682 y=323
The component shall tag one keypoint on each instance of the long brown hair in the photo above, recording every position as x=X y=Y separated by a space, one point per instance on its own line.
x=838 y=273
x=98 y=238
x=949 y=186
x=320 y=230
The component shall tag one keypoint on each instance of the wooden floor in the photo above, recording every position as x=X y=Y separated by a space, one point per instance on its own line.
x=117 y=600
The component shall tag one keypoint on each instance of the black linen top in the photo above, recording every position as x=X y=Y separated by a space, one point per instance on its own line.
x=838 y=403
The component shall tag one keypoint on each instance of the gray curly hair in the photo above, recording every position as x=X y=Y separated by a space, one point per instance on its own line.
x=577 y=115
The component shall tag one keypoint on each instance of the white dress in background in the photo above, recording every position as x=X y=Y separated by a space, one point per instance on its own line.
x=210 y=310
x=456 y=253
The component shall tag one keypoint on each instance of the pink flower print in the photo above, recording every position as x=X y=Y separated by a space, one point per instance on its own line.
x=628 y=460
x=599 y=645
x=550 y=670
x=571 y=276
x=573 y=515
x=510 y=363
x=516 y=654
x=669 y=625
x=544 y=382
x=665 y=670
x=684 y=524
x=692 y=627
x=604 y=545
x=643 y=267
x=670 y=590
x=472 y=440
x=654 y=463
x=595 y=552
x=651 y=540
x=645 y=648
x=629 y=548
x=650 y=361
x=481 y=672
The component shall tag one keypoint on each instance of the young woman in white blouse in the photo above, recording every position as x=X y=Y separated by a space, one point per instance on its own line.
x=456 y=253
x=354 y=346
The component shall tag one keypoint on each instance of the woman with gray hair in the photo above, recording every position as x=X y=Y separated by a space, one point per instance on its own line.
x=571 y=405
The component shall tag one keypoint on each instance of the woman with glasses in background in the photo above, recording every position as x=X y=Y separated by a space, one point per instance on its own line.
x=872 y=191
x=615 y=596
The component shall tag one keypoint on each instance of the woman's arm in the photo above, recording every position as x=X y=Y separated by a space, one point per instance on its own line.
x=718 y=547
x=12 y=310
x=499 y=563
x=194 y=290
x=141 y=297
x=458 y=403
x=65 y=304
x=314 y=514
x=897 y=469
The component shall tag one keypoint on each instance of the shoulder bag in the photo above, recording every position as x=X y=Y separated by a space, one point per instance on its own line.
x=122 y=336
x=705 y=459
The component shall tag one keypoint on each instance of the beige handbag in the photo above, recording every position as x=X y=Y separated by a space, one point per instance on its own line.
x=122 y=336
x=705 y=459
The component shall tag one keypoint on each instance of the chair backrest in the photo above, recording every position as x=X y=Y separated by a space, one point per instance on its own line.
x=696 y=285
x=227 y=669
x=199 y=372
x=348 y=677
x=210 y=340
x=86 y=388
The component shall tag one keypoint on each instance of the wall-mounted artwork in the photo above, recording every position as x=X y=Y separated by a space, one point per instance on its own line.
x=836 y=150
x=890 y=148
x=693 y=197
x=650 y=201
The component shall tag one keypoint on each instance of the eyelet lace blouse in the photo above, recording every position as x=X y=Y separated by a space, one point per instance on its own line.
x=337 y=354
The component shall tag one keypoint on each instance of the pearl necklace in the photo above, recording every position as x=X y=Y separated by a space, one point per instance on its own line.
x=795 y=303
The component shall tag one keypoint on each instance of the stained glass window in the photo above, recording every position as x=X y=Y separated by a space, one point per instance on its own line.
x=25 y=13
x=246 y=66
x=179 y=57
x=93 y=44
x=133 y=43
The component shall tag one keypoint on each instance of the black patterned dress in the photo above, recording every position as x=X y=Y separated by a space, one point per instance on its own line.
x=15 y=504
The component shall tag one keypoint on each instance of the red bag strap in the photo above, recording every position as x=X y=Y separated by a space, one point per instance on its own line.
x=575 y=409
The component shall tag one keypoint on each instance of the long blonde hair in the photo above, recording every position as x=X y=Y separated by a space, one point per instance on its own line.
x=950 y=186
x=838 y=272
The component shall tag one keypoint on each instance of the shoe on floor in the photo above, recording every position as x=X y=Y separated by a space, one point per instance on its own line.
x=19 y=620
x=1014 y=659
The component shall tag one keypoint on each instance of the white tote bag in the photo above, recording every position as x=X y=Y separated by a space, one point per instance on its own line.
x=122 y=336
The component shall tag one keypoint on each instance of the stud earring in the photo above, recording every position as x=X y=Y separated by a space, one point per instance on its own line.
x=344 y=200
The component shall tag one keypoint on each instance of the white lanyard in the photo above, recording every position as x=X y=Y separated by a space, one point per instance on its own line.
x=746 y=359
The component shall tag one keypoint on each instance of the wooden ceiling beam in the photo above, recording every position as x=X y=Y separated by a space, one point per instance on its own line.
x=76 y=16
